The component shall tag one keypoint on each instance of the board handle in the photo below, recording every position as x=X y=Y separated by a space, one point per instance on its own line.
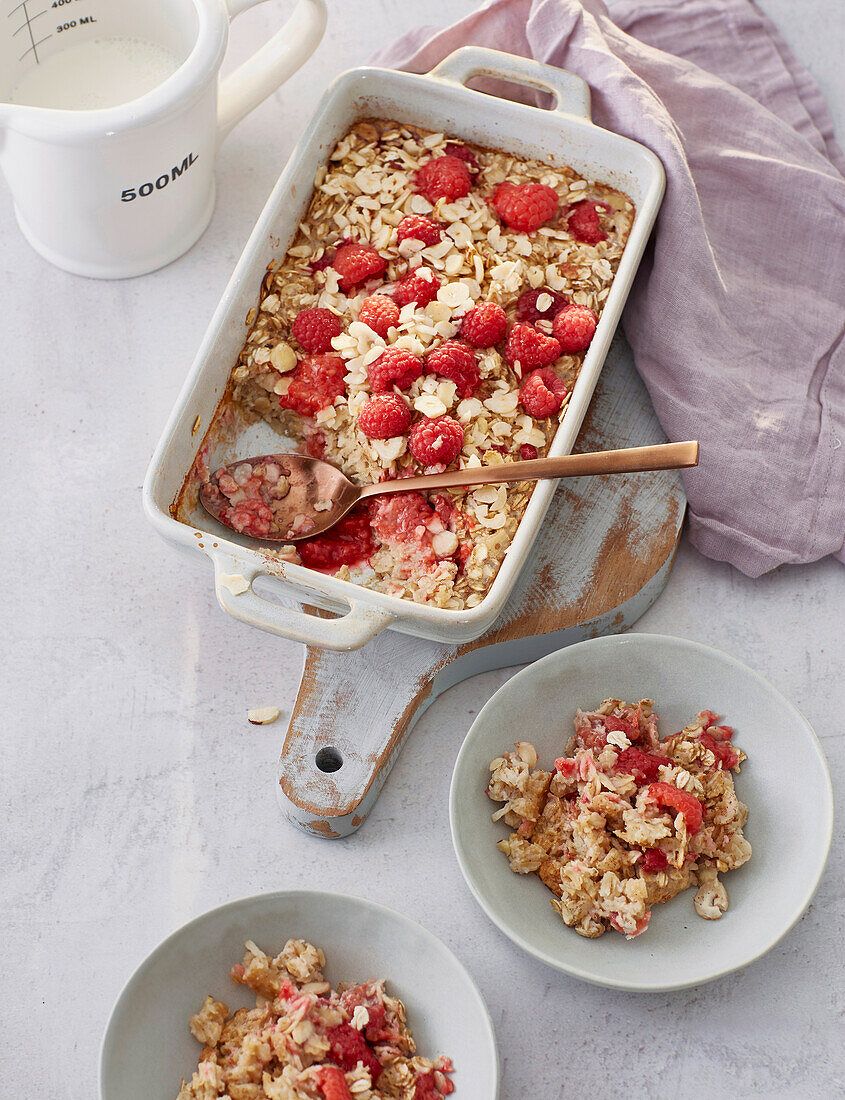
x=571 y=93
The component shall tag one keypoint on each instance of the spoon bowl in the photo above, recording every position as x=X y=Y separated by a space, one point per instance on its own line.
x=288 y=497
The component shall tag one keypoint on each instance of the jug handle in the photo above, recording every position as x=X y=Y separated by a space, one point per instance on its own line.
x=260 y=75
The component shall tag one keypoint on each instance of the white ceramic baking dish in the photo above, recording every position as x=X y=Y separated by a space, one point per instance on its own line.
x=439 y=100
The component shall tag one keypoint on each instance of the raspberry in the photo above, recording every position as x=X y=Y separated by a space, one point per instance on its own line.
x=314 y=329
x=630 y=726
x=525 y=206
x=437 y=441
x=527 y=451
x=530 y=347
x=348 y=1047
x=444 y=177
x=355 y=263
x=726 y=757
x=456 y=362
x=584 y=224
x=395 y=518
x=394 y=367
x=420 y=228
x=379 y=313
x=542 y=393
x=462 y=152
x=664 y=794
x=314 y=384
x=653 y=860
x=526 y=306
x=417 y=287
x=574 y=327
x=384 y=416
x=349 y=542
x=330 y=1080
x=484 y=325
x=644 y=766
x=250 y=517
x=425 y=1088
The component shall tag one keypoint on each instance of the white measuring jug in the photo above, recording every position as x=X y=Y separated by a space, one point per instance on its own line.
x=122 y=190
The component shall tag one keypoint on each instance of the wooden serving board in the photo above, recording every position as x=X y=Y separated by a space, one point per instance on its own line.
x=601 y=559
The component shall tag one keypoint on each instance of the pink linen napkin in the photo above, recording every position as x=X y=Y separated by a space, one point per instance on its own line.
x=736 y=317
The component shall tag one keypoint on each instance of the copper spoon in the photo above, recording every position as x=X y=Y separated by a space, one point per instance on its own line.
x=307 y=496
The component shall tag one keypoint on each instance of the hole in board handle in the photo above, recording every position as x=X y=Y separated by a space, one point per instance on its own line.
x=329 y=759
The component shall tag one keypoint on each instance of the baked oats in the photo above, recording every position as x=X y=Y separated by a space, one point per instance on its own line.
x=307 y=1041
x=433 y=310
x=625 y=821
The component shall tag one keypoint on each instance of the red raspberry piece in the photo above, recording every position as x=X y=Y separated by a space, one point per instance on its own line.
x=565 y=765
x=384 y=416
x=314 y=329
x=584 y=223
x=664 y=794
x=726 y=757
x=618 y=725
x=380 y=313
x=462 y=152
x=355 y=263
x=644 y=766
x=394 y=367
x=574 y=328
x=525 y=206
x=348 y=1047
x=420 y=228
x=417 y=287
x=542 y=393
x=456 y=362
x=653 y=860
x=526 y=306
x=484 y=325
x=530 y=347
x=436 y=441
x=350 y=542
x=444 y=177
x=395 y=518
x=250 y=517
x=527 y=452
x=331 y=1081
x=426 y=1089
x=315 y=382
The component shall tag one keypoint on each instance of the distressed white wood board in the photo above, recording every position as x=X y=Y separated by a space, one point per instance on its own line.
x=602 y=558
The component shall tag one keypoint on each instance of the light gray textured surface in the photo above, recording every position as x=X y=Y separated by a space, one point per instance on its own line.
x=134 y=793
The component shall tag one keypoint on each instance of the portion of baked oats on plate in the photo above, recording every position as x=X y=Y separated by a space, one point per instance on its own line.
x=625 y=820
x=351 y=1001
x=304 y=1040
x=433 y=310
x=607 y=828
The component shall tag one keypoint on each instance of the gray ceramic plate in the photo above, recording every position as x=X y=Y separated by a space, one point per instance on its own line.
x=147 y=1047
x=785 y=783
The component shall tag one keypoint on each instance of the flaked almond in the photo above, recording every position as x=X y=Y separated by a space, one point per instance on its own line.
x=444 y=544
x=235 y=583
x=283 y=358
x=429 y=405
x=263 y=716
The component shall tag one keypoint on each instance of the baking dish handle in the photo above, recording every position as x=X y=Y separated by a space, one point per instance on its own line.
x=572 y=94
x=350 y=631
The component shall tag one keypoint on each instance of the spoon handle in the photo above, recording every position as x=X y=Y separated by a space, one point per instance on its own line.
x=657 y=456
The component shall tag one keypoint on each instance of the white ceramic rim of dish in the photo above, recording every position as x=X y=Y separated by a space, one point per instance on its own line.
x=316 y=895
x=798 y=909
